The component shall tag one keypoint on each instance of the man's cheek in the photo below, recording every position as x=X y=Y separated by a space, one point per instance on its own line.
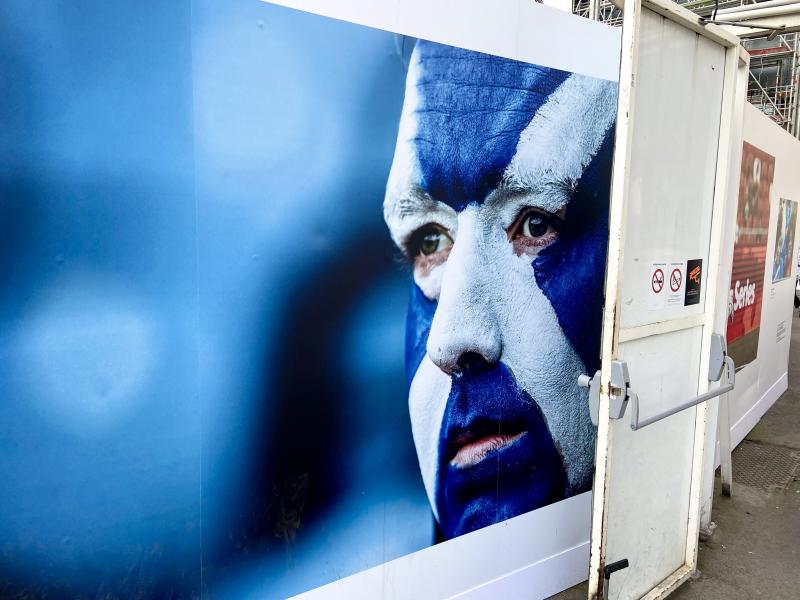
x=427 y=399
x=418 y=326
x=546 y=363
x=570 y=275
x=430 y=283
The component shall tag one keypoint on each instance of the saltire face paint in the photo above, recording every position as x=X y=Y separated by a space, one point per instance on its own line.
x=498 y=194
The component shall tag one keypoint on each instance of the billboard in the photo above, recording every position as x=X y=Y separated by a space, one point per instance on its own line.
x=318 y=312
x=784 y=240
x=749 y=254
x=495 y=198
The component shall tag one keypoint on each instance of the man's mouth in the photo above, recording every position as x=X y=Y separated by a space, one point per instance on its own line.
x=472 y=447
x=496 y=457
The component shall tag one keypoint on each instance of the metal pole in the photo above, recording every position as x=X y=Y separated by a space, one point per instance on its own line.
x=796 y=85
x=594 y=10
x=756 y=6
x=724 y=431
x=636 y=424
x=760 y=13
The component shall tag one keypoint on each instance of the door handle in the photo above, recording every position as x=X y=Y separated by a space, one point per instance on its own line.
x=621 y=393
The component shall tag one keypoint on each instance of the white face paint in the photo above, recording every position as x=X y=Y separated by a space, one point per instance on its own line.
x=427 y=399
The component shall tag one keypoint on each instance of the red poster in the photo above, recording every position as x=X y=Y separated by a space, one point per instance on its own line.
x=749 y=254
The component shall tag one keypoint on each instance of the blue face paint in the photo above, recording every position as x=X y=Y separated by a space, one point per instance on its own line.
x=418 y=326
x=472 y=109
x=571 y=271
x=527 y=474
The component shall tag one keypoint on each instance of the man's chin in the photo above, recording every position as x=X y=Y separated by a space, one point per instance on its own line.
x=482 y=512
x=486 y=510
x=513 y=480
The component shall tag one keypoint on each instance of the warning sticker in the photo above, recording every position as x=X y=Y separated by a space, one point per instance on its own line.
x=668 y=286
x=658 y=280
x=694 y=280
x=675 y=278
x=675 y=284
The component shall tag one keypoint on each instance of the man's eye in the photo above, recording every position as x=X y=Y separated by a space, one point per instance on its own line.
x=430 y=240
x=536 y=225
x=534 y=229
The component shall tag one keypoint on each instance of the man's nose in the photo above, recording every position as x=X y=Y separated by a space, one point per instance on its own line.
x=465 y=335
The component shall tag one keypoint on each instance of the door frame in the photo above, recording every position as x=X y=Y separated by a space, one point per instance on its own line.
x=612 y=334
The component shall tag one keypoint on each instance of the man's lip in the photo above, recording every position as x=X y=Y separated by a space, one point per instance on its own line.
x=475 y=450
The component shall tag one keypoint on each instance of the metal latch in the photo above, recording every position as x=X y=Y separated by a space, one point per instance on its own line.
x=609 y=570
x=621 y=392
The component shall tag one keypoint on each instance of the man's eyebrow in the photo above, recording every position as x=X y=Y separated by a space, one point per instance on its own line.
x=414 y=201
x=543 y=185
x=504 y=192
x=510 y=190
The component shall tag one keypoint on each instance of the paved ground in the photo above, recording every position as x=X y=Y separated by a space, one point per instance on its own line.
x=755 y=551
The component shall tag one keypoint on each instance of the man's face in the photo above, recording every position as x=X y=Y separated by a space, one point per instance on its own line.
x=498 y=195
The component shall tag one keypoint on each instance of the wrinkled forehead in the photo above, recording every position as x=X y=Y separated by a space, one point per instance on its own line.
x=469 y=110
x=473 y=123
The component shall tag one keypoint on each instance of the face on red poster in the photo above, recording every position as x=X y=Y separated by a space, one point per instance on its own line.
x=749 y=254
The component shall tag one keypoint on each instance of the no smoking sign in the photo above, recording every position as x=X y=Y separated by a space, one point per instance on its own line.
x=675 y=279
x=667 y=282
x=657 y=281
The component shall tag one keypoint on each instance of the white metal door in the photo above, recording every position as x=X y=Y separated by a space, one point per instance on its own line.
x=677 y=84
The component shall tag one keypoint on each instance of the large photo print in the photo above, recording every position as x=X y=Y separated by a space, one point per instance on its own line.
x=498 y=198
x=495 y=198
x=784 y=240
x=749 y=255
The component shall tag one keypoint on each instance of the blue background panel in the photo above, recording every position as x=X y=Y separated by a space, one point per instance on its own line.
x=201 y=314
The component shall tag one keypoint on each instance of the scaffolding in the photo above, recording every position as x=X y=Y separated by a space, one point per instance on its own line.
x=598 y=10
x=774 y=82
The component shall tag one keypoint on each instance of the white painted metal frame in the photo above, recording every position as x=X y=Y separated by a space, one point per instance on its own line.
x=719 y=412
x=612 y=335
x=724 y=276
